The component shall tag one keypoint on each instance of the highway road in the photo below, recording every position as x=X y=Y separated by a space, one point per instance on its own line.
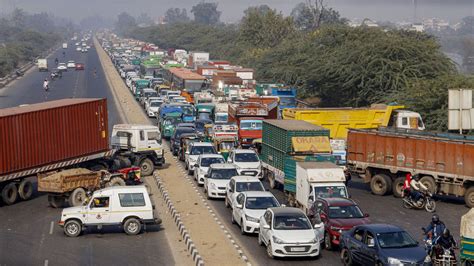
x=29 y=234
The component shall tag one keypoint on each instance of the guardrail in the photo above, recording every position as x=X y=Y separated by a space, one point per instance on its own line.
x=25 y=67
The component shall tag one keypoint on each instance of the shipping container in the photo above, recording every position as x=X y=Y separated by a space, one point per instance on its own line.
x=383 y=157
x=49 y=132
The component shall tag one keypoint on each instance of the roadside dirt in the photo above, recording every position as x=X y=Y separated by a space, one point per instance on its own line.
x=210 y=240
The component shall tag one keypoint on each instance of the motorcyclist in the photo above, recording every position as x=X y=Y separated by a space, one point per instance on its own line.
x=45 y=84
x=446 y=241
x=415 y=187
x=406 y=185
x=435 y=228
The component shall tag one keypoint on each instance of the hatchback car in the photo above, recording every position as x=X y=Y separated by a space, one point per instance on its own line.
x=217 y=178
x=79 y=66
x=62 y=67
x=192 y=154
x=249 y=207
x=247 y=162
x=338 y=215
x=71 y=64
x=380 y=244
x=202 y=165
x=239 y=184
x=287 y=232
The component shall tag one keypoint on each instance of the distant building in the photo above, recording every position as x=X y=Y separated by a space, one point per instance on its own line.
x=418 y=27
x=369 y=23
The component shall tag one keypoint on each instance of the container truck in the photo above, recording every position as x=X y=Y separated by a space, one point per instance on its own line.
x=68 y=133
x=286 y=144
x=383 y=157
x=249 y=116
x=43 y=64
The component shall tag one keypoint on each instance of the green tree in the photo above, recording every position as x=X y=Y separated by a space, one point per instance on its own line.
x=175 y=15
x=206 y=13
x=312 y=14
x=125 y=22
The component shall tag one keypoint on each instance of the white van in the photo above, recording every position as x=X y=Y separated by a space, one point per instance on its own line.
x=128 y=206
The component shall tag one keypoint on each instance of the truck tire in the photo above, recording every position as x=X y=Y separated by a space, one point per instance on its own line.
x=25 y=189
x=56 y=201
x=9 y=193
x=147 y=167
x=77 y=197
x=397 y=186
x=132 y=226
x=116 y=181
x=469 y=197
x=72 y=228
x=430 y=183
x=381 y=184
x=98 y=167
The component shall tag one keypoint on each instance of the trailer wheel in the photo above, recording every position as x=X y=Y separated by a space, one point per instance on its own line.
x=9 y=193
x=147 y=167
x=77 y=197
x=380 y=184
x=430 y=183
x=116 y=181
x=469 y=197
x=25 y=189
x=397 y=186
x=56 y=201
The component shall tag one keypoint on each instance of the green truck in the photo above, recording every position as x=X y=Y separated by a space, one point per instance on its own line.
x=205 y=110
x=288 y=145
x=138 y=86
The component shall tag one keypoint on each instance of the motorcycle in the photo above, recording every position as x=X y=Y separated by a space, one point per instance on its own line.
x=443 y=256
x=426 y=202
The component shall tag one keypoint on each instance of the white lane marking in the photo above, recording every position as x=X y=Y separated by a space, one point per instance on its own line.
x=46 y=262
x=51 y=227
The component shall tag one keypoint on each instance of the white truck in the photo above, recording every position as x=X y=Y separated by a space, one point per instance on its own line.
x=221 y=115
x=43 y=64
x=318 y=179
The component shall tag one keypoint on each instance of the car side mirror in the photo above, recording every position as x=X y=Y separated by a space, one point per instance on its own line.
x=239 y=206
x=266 y=226
x=366 y=215
x=317 y=226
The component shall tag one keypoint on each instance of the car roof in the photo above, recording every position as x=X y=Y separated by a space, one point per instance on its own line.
x=210 y=155
x=286 y=211
x=200 y=143
x=258 y=194
x=381 y=228
x=223 y=166
x=243 y=151
x=338 y=201
x=121 y=189
x=245 y=178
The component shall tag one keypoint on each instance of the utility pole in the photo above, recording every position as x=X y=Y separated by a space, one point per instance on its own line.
x=415 y=11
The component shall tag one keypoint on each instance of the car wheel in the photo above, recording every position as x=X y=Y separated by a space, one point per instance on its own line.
x=190 y=172
x=346 y=257
x=132 y=226
x=269 y=250
x=242 y=228
x=327 y=241
x=260 y=241
x=72 y=228
x=185 y=166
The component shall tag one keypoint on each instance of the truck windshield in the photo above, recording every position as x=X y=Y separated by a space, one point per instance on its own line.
x=251 y=125
x=287 y=101
x=330 y=192
x=221 y=118
x=345 y=212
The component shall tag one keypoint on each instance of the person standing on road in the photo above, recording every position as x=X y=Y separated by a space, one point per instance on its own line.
x=46 y=84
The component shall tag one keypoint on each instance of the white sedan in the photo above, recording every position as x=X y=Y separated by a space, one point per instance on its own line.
x=202 y=165
x=287 y=232
x=249 y=207
x=71 y=64
x=62 y=66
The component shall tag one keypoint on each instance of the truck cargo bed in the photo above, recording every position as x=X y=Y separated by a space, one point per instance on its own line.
x=68 y=180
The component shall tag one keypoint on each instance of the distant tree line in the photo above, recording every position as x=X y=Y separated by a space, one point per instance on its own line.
x=24 y=36
x=329 y=62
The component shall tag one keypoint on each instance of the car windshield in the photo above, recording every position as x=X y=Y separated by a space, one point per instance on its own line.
x=261 y=203
x=246 y=157
x=330 y=192
x=399 y=239
x=188 y=110
x=205 y=162
x=156 y=104
x=251 y=125
x=172 y=121
x=345 y=212
x=291 y=222
x=223 y=173
x=248 y=186
x=198 y=150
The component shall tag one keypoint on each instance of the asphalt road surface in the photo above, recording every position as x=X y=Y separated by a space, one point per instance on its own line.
x=29 y=234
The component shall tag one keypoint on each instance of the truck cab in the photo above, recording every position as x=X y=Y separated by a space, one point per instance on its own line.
x=144 y=141
x=407 y=120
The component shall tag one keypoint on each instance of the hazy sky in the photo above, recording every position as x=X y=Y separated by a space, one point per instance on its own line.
x=232 y=9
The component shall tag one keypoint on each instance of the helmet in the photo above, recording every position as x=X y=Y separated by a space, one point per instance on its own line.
x=446 y=232
x=435 y=218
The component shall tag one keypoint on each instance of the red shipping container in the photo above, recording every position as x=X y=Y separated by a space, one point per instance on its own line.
x=50 y=132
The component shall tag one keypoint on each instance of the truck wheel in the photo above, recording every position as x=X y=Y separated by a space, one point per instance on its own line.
x=380 y=184
x=56 y=201
x=397 y=187
x=9 y=193
x=469 y=197
x=25 y=189
x=147 y=167
x=132 y=226
x=116 y=181
x=430 y=183
x=72 y=228
x=77 y=197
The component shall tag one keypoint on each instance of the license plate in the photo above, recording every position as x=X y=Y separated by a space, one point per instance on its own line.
x=297 y=249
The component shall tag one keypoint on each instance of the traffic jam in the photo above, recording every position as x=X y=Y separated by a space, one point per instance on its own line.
x=234 y=134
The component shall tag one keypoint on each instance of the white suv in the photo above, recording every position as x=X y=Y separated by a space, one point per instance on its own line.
x=239 y=184
x=129 y=206
x=247 y=162
x=193 y=152
x=217 y=178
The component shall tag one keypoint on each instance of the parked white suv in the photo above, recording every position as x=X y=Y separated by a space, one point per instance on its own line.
x=193 y=152
x=217 y=178
x=239 y=184
x=202 y=165
x=129 y=206
x=249 y=207
x=247 y=162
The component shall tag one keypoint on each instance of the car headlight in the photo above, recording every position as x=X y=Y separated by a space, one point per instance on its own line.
x=213 y=186
x=277 y=240
x=252 y=219
x=394 y=261
x=314 y=240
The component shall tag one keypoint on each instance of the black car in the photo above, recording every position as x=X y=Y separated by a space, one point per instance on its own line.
x=175 y=142
x=380 y=244
x=200 y=123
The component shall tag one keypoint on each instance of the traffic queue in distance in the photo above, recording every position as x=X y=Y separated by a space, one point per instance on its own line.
x=233 y=134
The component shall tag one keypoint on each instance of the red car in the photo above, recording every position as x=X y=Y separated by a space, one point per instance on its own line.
x=338 y=215
x=79 y=66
